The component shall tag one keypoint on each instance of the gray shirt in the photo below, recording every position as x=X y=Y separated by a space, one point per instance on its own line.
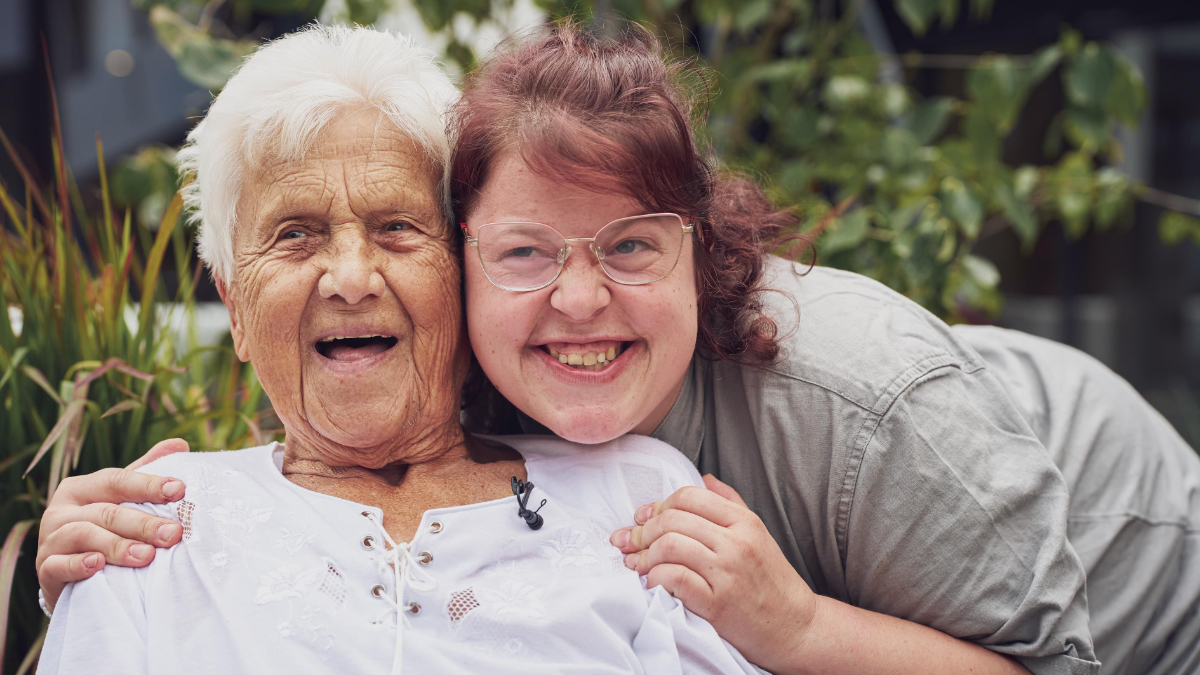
x=979 y=481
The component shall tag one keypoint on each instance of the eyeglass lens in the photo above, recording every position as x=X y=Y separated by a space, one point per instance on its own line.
x=526 y=256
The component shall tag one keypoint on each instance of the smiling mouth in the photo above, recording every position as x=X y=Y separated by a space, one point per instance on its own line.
x=587 y=357
x=349 y=349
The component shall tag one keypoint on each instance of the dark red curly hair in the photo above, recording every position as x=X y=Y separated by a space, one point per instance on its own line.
x=615 y=114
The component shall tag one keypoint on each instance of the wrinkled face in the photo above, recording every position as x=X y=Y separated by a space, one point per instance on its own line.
x=520 y=339
x=346 y=296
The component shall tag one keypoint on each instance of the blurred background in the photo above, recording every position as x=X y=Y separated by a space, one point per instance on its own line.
x=1034 y=164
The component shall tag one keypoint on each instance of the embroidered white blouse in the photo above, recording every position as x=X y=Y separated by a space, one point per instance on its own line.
x=273 y=578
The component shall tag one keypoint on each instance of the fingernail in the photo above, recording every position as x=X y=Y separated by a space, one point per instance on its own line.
x=631 y=561
x=172 y=489
x=166 y=531
x=620 y=538
x=91 y=562
x=140 y=551
x=643 y=514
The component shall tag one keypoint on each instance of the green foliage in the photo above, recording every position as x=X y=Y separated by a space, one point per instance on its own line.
x=92 y=376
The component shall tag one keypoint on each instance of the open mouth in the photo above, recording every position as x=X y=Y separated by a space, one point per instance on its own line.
x=595 y=356
x=348 y=349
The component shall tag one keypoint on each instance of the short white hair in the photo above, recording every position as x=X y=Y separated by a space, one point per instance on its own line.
x=283 y=96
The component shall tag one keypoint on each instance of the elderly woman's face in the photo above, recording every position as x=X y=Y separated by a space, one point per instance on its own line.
x=346 y=293
x=650 y=328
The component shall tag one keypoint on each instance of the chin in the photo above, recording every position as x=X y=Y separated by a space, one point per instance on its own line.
x=588 y=426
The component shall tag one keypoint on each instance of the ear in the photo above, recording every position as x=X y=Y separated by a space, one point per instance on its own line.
x=229 y=297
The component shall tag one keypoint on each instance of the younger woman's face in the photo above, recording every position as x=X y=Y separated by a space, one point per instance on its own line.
x=650 y=329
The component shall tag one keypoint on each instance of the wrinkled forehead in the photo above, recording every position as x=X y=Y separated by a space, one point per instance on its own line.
x=360 y=159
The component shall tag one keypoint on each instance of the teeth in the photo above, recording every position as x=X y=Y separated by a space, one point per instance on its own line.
x=588 y=361
x=331 y=338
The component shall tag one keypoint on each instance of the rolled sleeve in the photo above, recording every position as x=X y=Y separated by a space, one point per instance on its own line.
x=958 y=521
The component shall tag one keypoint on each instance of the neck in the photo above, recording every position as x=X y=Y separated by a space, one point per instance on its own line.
x=307 y=453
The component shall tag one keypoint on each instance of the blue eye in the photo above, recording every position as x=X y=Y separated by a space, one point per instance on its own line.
x=397 y=227
x=293 y=234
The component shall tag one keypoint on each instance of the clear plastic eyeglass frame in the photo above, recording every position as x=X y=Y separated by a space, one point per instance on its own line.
x=565 y=251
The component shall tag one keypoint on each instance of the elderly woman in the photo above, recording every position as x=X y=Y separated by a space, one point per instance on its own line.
x=901 y=476
x=379 y=536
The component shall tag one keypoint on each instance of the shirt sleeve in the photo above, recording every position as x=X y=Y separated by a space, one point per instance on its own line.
x=958 y=521
x=99 y=627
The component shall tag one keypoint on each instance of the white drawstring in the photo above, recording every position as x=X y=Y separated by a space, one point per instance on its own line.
x=406 y=573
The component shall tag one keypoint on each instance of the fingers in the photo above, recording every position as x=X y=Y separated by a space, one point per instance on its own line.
x=633 y=539
x=57 y=570
x=714 y=485
x=124 y=522
x=161 y=449
x=697 y=500
x=119 y=485
x=675 y=549
x=82 y=536
x=688 y=587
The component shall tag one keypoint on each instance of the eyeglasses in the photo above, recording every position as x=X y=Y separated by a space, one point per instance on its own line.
x=530 y=256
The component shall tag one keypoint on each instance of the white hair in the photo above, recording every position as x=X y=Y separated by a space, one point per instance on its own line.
x=284 y=95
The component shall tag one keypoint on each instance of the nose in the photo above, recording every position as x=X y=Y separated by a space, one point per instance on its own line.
x=581 y=290
x=352 y=272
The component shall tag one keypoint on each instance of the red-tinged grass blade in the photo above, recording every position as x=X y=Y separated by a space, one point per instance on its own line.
x=17 y=358
x=8 y=566
x=74 y=409
x=154 y=261
x=25 y=175
x=124 y=406
x=115 y=364
x=37 y=376
x=35 y=650
x=60 y=163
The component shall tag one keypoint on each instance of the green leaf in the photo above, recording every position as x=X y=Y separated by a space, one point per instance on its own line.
x=985 y=142
x=918 y=14
x=798 y=127
x=1174 y=227
x=201 y=58
x=1127 y=98
x=929 y=118
x=1087 y=127
x=1018 y=212
x=1044 y=61
x=1089 y=76
x=899 y=147
x=123 y=406
x=751 y=15
x=998 y=86
x=843 y=91
x=981 y=271
x=846 y=232
x=1114 y=200
x=797 y=72
x=963 y=205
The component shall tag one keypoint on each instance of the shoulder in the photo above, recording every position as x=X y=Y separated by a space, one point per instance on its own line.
x=854 y=336
x=206 y=474
x=641 y=468
x=180 y=464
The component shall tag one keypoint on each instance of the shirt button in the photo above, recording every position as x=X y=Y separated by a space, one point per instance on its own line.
x=413 y=608
x=378 y=590
x=368 y=542
x=424 y=557
x=435 y=526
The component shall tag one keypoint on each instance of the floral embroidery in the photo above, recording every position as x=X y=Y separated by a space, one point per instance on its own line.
x=571 y=548
x=289 y=581
x=237 y=513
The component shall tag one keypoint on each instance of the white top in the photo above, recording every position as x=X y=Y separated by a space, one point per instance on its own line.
x=273 y=578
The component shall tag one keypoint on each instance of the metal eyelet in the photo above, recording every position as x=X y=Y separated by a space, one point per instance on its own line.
x=378 y=590
x=425 y=557
x=435 y=526
x=366 y=514
x=368 y=542
x=413 y=608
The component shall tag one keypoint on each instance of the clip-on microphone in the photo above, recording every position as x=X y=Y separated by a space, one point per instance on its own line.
x=522 y=489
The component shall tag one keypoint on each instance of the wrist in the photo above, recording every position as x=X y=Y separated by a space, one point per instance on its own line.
x=801 y=638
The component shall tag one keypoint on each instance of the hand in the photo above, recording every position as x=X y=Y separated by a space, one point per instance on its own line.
x=709 y=550
x=83 y=528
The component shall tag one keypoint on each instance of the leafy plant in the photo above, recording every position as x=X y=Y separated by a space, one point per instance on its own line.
x=92 y=375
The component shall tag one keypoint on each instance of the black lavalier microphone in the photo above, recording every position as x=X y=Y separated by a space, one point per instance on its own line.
x=522 y=489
